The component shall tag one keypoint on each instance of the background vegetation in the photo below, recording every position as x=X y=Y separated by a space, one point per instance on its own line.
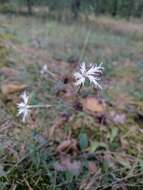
x=122 y=8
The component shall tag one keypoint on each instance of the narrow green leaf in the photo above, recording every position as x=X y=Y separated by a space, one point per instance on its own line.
x=113 y=134
x=83 y=141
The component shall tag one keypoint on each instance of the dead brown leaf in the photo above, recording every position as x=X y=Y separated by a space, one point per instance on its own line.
x=93 y=105
x=118 y=118
x=66 y=164
x=10 y=88
x=67 y=145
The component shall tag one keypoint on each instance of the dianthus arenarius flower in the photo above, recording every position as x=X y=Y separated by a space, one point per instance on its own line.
x=91 y=73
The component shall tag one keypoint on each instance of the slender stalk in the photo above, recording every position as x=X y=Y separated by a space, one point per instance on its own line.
x=51 y=73
x=39 y=106
x=84 y=45
x=78 y=91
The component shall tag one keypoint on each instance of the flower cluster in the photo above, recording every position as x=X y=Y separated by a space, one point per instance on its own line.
x=92 y=73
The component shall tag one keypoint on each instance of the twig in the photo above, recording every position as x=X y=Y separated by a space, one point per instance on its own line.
x=27 y=183
x=84 y=45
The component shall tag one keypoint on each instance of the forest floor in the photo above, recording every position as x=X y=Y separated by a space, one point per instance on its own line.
x=89 y=141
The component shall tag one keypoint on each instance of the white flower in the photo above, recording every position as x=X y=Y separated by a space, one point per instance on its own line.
x=44 y=70
x=92 y=74
x=23 y=107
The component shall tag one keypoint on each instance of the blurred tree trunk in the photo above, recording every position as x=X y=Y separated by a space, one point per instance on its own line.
x=29 y=6
x=115 y=8
x=76 y=8
x=100 y=7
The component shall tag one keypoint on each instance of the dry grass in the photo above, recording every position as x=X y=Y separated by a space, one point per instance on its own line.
x=118 y=26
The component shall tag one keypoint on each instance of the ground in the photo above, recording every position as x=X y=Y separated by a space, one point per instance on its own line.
x=90 y=140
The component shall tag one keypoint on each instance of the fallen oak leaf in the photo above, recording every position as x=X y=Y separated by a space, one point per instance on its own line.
x=12 y=88
x=67 y=145
x=93 y=105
